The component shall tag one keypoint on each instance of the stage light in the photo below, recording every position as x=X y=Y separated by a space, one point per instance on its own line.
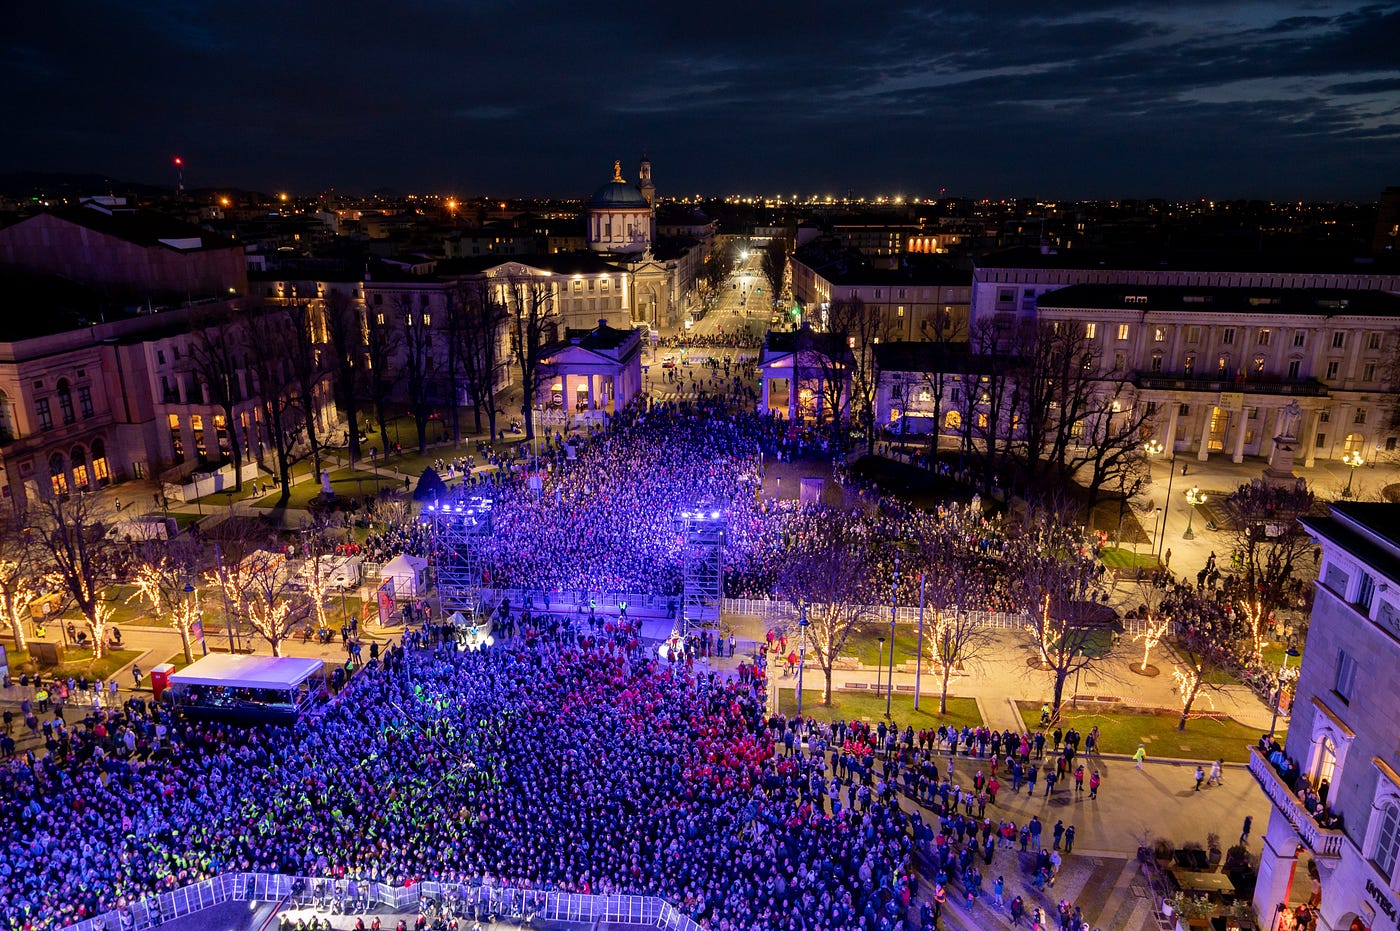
x=714 y=515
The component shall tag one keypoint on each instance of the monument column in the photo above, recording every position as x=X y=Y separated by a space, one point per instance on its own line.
x=1240 y=430
x=1204 y=452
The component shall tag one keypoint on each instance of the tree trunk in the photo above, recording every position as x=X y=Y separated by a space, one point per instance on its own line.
x=826 y=689
x=185 y=642
x=1188 y=701
x=17 y=622
x=235 y=449
x=1059 y=697
x=943 y=695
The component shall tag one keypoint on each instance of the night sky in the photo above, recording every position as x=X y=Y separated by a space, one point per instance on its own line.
x=1054 y=99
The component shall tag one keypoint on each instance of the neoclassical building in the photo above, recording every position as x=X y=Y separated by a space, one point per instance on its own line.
x=1342 y=737
x=620 y=223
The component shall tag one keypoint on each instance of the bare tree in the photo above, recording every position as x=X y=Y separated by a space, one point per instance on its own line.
x=21 y=579
x=70 y=533
x=961 y=559
x=346 y=335
x=943 y=333
x=166 y=571
x=417 y=343
x=307 y=332
x=482 y=317
x=215 y=358
x=774 y=263
x=1061 y=590
x=270 y=341
x=860 y=327
x=383 y=340
x=534 y=324
x=831 y=576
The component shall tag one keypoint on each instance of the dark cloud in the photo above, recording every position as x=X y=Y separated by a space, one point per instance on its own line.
x=1064 y=98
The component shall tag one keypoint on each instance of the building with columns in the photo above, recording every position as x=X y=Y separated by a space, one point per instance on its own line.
x=1217 y=365
x=620 y=220
x=597 y=370
x=1343 y=742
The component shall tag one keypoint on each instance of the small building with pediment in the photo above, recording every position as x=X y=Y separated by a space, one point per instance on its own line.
x=592 y=372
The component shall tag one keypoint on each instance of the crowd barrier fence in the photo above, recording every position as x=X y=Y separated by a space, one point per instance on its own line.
x=319 y=893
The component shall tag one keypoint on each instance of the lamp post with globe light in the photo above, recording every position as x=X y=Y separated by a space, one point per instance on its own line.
x=1354 y=461
x=1194 y=497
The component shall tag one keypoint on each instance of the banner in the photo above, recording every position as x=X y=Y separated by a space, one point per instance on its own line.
x=386 y=599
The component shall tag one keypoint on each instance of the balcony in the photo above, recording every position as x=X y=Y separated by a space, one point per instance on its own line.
x=1303 y=387
x=1323 y=842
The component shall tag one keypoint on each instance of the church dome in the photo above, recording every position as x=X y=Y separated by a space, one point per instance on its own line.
x=618 y=194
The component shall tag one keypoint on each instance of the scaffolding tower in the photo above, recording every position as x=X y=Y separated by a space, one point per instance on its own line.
x=459 y=528
x=703 y=557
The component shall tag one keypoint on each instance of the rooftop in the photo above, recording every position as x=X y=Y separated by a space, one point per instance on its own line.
x=1370 y=531
x=1303 y=263
x=1269 y=301
x=145 y=228
x=42 y=305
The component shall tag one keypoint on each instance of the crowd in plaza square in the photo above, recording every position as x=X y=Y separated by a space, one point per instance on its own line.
x=569 y=756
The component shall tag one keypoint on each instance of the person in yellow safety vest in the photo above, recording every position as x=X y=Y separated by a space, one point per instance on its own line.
x=940 y=898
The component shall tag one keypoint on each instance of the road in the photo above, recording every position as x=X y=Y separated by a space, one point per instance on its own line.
x=740 y=305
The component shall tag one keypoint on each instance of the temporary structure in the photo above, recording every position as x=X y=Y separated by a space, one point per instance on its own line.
x=409 y=574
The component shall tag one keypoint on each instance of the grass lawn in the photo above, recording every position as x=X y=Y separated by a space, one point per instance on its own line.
x=863 y=645
x=851 y=705
x=79 y=662
x=178 y=660
x=1121 y=731
x=1119 y=558
x=346 y=482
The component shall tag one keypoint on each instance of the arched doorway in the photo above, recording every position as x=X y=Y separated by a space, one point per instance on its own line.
x=78 y=460
x=58 y=474
x=99 y=462
x=1353 y=443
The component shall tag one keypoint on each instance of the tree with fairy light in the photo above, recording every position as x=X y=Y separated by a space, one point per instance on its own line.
x=962 y=557
x=259 y=588
x=830 y=573
x=1269 y=550
x=1061 y=585
x=21 y=581
x=166 y=571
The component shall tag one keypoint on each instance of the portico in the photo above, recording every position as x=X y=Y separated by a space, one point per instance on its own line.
x=592 y=370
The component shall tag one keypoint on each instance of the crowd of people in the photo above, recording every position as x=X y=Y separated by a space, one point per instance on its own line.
x=578 y=762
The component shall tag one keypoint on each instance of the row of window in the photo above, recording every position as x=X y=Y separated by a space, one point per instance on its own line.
x=1258 y=366
x=65 y=405
x=1262 y=337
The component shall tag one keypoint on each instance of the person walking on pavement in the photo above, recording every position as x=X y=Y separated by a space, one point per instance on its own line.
x=1140 y=755
x=1059 y=833
x=1069 y=839
x=1214 y=779
x=1094 y=786
x=1200 y=778
x=1244 y=834
x=136 y=676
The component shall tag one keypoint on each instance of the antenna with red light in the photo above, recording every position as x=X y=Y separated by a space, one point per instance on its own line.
x=179 y=175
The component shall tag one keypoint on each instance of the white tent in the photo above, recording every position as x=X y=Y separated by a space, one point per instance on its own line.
x=260 y=672
x=409 y=574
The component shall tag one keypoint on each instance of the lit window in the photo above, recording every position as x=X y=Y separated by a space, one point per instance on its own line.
x=1091 y=330
x=1264 y=337
x=1122 y=331
x=1159 y=334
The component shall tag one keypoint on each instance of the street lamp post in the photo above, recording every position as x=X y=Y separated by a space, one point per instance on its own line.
x=1194 y=497
x=894 y=612
x=880 y=665
x=1354 y=461
x=801 y=654
x=1278 y=692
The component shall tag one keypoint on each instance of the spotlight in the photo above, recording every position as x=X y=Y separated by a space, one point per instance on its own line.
x=714 y=515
